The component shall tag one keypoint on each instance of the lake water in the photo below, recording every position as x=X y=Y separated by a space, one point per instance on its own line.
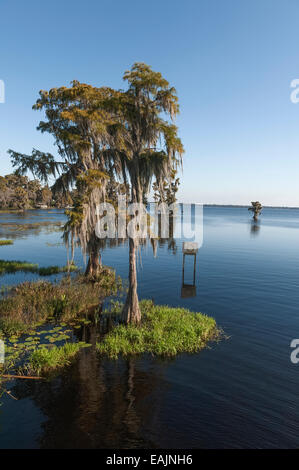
x=242 y=392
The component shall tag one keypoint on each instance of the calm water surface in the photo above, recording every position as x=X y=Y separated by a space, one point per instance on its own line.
x=242 y=392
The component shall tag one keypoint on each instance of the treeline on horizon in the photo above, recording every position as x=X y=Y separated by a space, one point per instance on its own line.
x=18 y=192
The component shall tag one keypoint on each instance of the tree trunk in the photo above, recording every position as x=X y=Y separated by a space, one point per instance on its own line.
x=131 y=311
x=93 y=266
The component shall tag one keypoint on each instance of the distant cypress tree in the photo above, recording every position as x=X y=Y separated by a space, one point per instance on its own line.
x=256 y=208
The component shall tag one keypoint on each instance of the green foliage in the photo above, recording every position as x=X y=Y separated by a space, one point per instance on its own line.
x=256 y=208
x=14 y=266
x=50 y=270
x=10 y=326
x=128 y=135
x=40 y=164
x=164 y=331
x=8 y=267
x=166 y=192
x=19 y=348
x=45 y=360
x=17 y=192
x=6 y=242
x=32 y=302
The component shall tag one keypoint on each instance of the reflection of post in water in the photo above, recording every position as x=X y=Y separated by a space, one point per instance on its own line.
x=189 y=249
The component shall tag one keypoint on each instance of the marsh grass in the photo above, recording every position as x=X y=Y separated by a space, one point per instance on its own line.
x=8 y=267
x=14 y=227
x=45 y=361
x=6 y=242
x=34 y=302
x=165 y=331
x=50 y=270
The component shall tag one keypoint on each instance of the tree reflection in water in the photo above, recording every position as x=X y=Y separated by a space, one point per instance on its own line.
x=254 y=228
x=99 y=403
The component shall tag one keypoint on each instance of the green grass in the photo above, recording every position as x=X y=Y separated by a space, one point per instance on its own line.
x=164 y=331
x=45 y=361
x=10 y=326
x=6 y=242
x=14 y=266
x=8 y=267
x=50 y=270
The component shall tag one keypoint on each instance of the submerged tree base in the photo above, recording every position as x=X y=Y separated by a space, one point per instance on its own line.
x=164 y=331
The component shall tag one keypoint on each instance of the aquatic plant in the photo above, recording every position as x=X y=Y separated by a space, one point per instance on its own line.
x=50 y=270
x=14 y=266
x=45 y=360
x=6 y=242
x=7 y=267
x=32 y=302
x=164 y=331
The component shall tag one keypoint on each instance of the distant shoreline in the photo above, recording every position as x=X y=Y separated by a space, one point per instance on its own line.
x=241 y=205
x=16 y=211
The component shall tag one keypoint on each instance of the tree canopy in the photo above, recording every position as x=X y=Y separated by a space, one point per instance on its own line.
x=108 y=142
x=19 y=192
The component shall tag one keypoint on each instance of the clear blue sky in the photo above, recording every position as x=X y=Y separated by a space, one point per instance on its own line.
x=231 y=62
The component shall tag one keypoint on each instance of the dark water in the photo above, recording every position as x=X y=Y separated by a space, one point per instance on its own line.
x=240 y=393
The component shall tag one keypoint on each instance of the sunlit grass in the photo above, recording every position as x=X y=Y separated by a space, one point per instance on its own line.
x=50 y=270
x=165 y=331
x=6 y=242
x=14 y=266
x=8 y=267
x=32 y=302
x=45 y=360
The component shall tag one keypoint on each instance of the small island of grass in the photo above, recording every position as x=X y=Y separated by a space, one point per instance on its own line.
x=10 y=267
x=46 y=361
x=164 y=331
x=6 y=242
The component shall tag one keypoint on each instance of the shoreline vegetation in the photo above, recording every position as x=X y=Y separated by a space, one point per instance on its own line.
x=35 y=316
x=111 y=143
x=164 y=331
x=10 y=267
x=53 y=208
x=6 y=242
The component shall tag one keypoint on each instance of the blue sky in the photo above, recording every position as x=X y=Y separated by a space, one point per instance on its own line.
x=232 y=63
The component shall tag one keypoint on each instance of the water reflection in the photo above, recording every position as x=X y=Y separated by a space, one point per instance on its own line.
x=255 y=228
x=189 y=290
x=215 y=399
x=97 y=403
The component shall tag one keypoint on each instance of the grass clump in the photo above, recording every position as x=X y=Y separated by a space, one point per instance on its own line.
x=164 y=331
x=6 y=242
x=10 y=326
x=44 y=360
x=34 y=302
x=50 y=270
x=8 y=267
